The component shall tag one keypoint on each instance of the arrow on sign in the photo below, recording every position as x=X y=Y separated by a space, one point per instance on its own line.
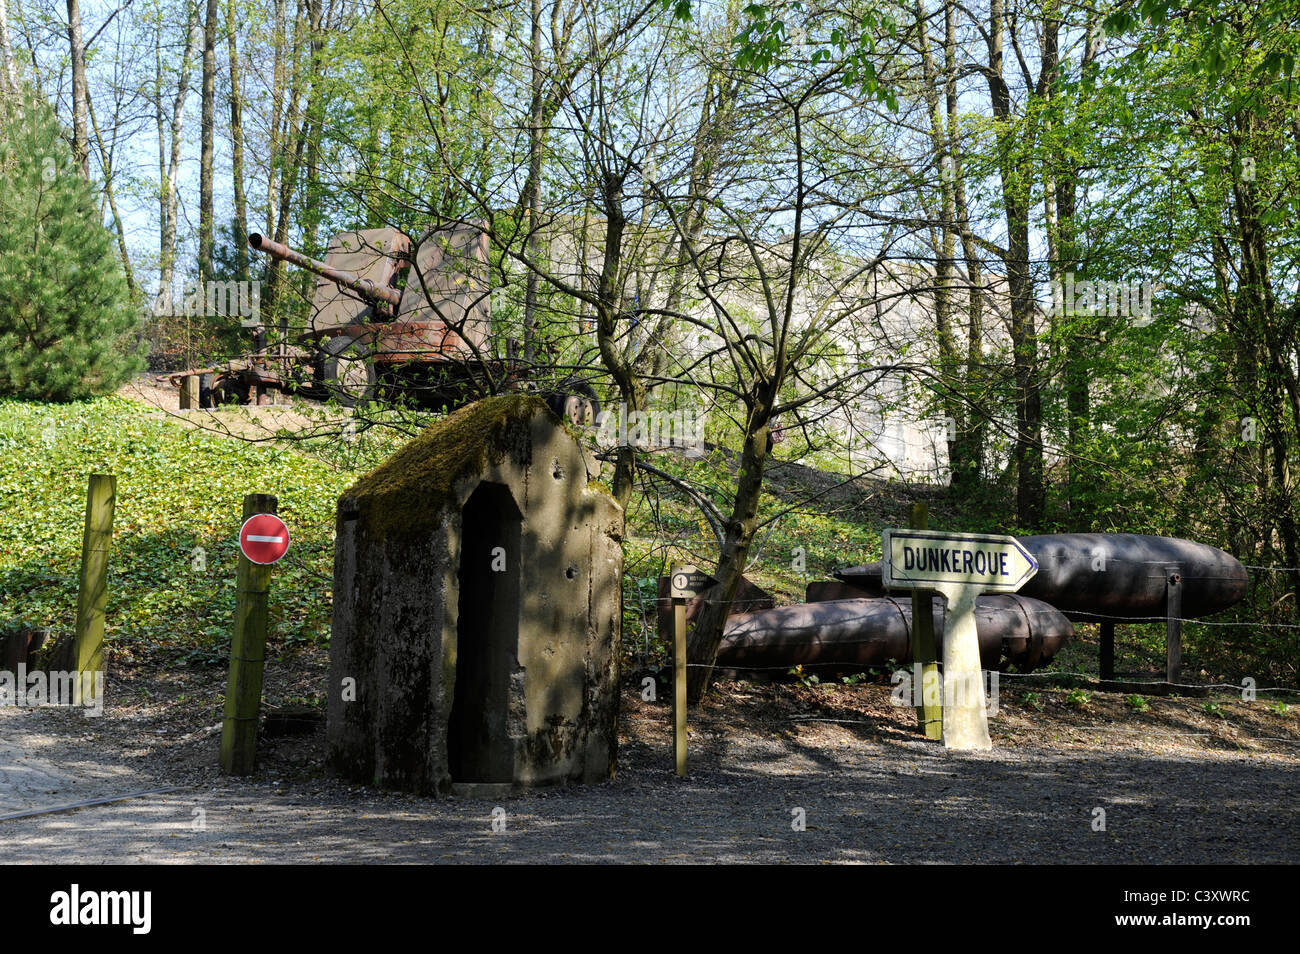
x=958 y=566
x=687 y=583
x=928 y=558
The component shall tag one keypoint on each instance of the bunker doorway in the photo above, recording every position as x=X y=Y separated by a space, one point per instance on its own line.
x=479 y=747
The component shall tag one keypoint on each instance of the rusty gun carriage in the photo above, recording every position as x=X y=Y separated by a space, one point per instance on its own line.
x=385 y=322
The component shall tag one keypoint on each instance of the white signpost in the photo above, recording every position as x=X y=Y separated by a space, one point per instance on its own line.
x=959 y=567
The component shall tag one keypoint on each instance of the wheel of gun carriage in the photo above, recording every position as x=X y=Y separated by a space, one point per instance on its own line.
x=348 y=376
x=575 y=402
x=205 y=391
x=229 y=391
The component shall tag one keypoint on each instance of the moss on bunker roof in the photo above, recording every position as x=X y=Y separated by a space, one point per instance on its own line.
x=408 y=493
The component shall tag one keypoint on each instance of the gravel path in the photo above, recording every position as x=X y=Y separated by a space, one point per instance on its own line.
x=888 y=798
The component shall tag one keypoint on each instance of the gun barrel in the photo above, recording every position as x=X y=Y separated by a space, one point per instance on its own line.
x=364 y=287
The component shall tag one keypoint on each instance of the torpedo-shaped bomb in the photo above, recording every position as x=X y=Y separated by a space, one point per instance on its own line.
x=1091 y=576
x=860 y=633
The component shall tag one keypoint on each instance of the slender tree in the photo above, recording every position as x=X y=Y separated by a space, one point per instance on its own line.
x=65 y=311
x=207 y=137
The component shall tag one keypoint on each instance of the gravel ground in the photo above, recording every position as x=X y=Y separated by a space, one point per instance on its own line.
x=1177 y=785
x=302 y=418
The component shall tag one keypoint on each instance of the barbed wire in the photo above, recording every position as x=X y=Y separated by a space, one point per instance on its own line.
x=713 y=725
x=1045 y=674
x=1098 y=617
x=907 y=667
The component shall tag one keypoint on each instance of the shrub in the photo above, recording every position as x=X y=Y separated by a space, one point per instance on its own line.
x=66 y=318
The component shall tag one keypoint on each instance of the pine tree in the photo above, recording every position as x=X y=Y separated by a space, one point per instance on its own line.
x=66 y=318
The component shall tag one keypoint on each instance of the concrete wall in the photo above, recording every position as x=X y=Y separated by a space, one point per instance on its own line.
x=397 y=606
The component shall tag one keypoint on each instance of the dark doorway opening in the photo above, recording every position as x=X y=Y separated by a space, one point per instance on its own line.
x=479 y=748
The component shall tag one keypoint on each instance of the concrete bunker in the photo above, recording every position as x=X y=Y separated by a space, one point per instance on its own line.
x=477 y=609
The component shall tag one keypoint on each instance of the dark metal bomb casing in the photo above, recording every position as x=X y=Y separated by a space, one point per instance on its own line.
x=1024 y=632
x=1121 y=576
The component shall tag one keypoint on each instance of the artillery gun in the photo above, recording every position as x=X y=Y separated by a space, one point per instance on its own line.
x=385 y=322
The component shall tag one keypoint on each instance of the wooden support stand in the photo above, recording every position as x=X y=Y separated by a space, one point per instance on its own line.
x=1173 y=625
x=190 y=392
x=247 y=655
x=1173 y=643
x=929 y=716
x=92 y=593
x=1107 y=649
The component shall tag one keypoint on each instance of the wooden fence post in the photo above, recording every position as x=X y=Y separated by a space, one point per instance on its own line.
x=1173 y=623
x=679 y=686
x=190 y=392
x=92 y=592
x=1107 y=663
x=247 y=655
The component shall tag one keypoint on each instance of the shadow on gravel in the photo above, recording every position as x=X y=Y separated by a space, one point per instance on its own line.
x=878 y=806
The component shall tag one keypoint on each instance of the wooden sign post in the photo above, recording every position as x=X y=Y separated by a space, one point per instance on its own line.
x=248 y=644
x=958 y=567
x=92 y=593
x=685 y=584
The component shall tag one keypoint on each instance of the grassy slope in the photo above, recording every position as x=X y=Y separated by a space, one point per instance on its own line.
x=177 y=489
x=180 y=488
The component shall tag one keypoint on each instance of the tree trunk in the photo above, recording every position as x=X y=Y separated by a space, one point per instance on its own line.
x=531 y=198
x=1027 y=453
x=309 y=218
x=160 y=123
x=206 y=134
x=8 y=70
x=1261 y=315
x=237 y=146
x=950 y=359
x=609 y=302
x=1062 y=193
x=110 y=195
x=972 y=429
x=275 y=145
x=80 y=138
x=286 y=161
x=171 y=198
x=706 y=637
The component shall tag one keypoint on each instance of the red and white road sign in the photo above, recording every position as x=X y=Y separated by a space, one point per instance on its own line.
x=264 y=538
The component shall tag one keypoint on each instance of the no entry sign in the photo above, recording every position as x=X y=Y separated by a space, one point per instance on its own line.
x=264 y=538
